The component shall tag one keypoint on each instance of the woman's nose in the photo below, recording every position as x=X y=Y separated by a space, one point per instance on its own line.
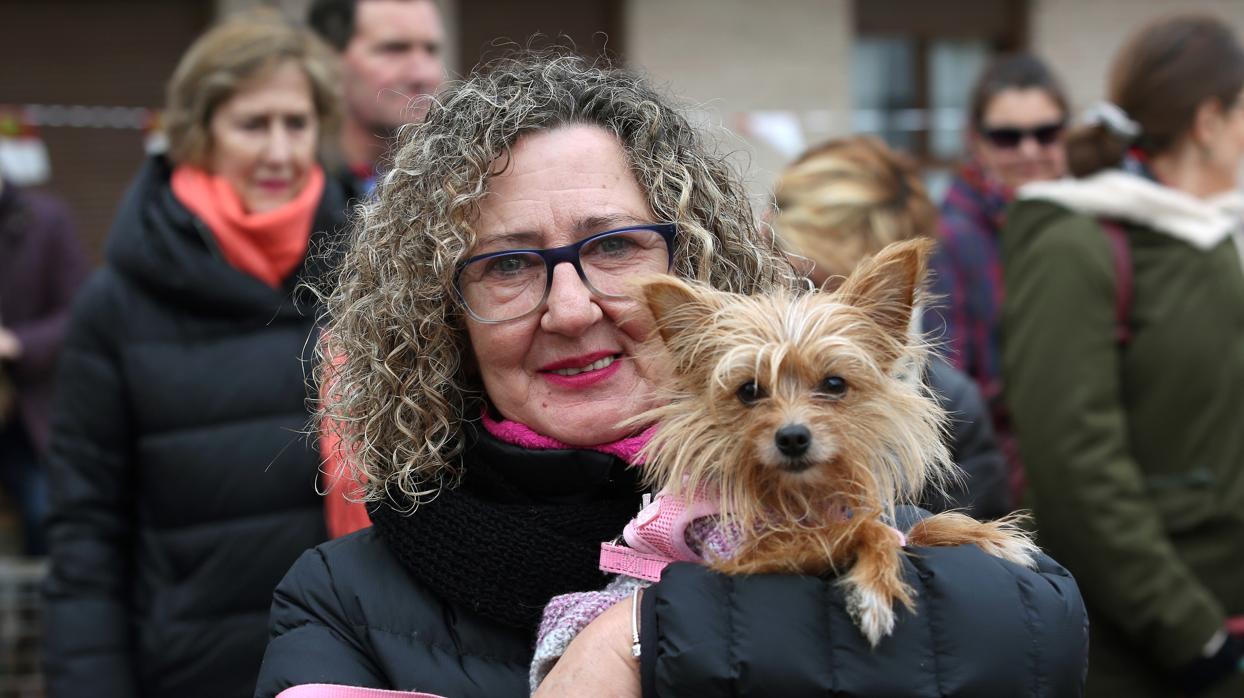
x=278 y=147
x=1029 y=146
x=571 y=308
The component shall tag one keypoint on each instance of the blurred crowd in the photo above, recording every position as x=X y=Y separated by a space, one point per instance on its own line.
x=1084 y=304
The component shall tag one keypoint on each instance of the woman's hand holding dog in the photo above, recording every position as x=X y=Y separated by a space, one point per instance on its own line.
x=599 y=661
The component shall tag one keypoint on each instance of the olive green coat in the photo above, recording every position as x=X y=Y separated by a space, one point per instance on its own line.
x=1134 y=450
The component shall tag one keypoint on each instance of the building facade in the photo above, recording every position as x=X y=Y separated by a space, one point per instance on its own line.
x=765 y=79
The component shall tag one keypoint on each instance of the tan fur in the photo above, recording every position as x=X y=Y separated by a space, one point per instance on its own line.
x=876 y=446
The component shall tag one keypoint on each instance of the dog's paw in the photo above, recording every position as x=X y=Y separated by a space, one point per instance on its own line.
x=872 y=612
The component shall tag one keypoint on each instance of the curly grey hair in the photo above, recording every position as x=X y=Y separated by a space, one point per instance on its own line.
x=399 y=388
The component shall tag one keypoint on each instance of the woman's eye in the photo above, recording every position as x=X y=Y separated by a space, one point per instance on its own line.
x=612 y=247
x=507 y=265
x=615 y=244
x=749 y=393
x=833 y=387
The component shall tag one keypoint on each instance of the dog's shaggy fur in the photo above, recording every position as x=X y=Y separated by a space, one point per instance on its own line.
x=807 y=416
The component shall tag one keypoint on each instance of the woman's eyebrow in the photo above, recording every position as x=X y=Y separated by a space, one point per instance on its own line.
x=531 y=240
x=599 y=224
x=506 y=241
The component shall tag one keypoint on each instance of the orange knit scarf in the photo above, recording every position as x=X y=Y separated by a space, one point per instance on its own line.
x=268 y=246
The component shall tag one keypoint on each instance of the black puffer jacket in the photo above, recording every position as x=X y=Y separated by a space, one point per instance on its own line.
x=350 y=613
x=182 y=484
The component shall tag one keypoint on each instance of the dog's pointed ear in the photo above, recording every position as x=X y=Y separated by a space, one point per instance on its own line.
x=885 y=285
x=677 y=306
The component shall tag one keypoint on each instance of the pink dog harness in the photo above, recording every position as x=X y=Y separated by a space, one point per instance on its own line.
x=657 y=536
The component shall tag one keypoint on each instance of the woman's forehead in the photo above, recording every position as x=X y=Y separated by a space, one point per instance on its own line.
x=567 y=182
x=566 y=161
x=282 y=87
x=1021 y=107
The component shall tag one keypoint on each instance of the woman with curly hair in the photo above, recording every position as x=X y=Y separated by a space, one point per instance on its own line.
x=483 y=353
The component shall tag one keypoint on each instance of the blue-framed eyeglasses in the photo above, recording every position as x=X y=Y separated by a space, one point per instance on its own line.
x=501 y=286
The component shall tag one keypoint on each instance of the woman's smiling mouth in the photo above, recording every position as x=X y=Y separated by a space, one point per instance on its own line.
x=594 y=366
x=582 y=371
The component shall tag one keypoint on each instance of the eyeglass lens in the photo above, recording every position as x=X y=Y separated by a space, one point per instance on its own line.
x=507 y=286
x=1045 y=134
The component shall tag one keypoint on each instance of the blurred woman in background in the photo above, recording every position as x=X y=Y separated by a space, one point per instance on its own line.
x=1124 y=363
x=1017 y=117
x=42 y=266
x=844 y=201
x=182 y=486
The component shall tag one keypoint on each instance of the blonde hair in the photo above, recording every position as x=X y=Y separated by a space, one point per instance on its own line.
x=397 y=358
x=845 y=200
x=233 y=54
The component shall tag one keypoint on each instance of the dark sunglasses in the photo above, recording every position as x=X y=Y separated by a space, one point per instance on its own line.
x=1010 y=137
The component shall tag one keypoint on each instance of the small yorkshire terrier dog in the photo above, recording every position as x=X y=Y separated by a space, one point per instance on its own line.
x=807 y=416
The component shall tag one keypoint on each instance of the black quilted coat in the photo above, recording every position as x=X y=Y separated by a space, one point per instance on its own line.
x=182 y=484
x=350 y=613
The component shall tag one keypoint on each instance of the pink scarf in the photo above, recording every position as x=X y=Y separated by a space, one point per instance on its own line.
x=522 y=435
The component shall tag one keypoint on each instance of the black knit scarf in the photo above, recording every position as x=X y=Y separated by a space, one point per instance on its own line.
x=523 y=526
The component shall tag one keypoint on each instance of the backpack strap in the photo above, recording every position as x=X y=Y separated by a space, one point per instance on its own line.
x=1121 y=251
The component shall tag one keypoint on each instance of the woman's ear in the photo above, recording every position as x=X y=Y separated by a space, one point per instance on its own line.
x=1207 y=125
x=977 y=147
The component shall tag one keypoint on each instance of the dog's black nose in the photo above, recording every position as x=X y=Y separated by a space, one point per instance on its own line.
x=793 y=440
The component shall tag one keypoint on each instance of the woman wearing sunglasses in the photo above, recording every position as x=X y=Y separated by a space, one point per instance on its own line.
x=1017 y=115
x=1123 y=354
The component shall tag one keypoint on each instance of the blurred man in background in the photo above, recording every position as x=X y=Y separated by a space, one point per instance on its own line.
x=391 y=64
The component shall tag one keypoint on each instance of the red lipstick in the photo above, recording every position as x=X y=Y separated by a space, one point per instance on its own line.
x=578 y=361
x=584 y=378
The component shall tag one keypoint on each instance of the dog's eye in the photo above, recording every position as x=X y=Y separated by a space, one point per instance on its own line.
x=833 y=387
x=749 y=393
